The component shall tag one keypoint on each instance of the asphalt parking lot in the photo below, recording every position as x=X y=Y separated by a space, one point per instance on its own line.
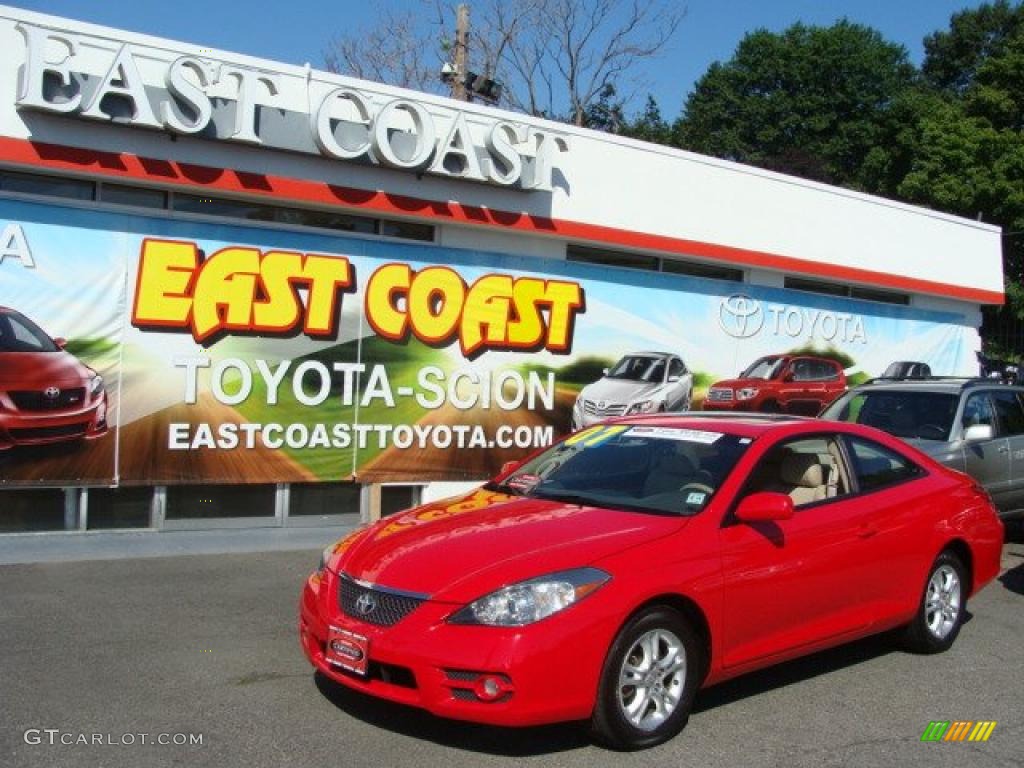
x=205 y=645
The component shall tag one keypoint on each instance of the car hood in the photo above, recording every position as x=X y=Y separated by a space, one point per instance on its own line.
x=462 y=548
x=619 y=390
x=950 y=454
x=740 y=383
x=34 y=370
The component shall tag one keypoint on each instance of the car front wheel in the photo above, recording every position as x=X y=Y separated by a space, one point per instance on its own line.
x=649 y=681
x=940 y=614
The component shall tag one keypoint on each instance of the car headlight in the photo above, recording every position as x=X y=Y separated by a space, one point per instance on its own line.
x=747 y=393
x=532 y=600
x=644 y=406
x=95 y=385
x=325 y=556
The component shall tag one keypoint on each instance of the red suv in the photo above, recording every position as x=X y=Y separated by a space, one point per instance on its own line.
x=791 y=383
x=46 y=394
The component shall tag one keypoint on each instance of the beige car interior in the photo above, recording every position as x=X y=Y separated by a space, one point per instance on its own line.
x=806 y=470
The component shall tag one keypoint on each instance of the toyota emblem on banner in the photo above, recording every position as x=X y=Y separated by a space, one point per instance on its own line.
x=741 y=316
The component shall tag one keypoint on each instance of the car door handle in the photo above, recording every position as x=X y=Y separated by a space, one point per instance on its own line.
x=866 y=531
x=1003 y=449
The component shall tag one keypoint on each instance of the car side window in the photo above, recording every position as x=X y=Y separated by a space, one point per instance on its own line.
x=809 y=470
x=802 y=370
x=876 y=466
x=1008 y=408
x=676 y=367
x=978 y=410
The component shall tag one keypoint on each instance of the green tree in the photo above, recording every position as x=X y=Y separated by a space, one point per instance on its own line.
x=811 y=101
x=650 y=125
x=970 y=157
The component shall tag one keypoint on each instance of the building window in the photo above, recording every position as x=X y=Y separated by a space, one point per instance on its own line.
x=611 y=258
x=607 y=258
x=148 y=197
x=140 y=197
x=697 y=269
x=204 y=501
x=853 y=292
x=396 y=498
x=309 y=499
x=119 y=507
x=50 y=186
x=32 y=510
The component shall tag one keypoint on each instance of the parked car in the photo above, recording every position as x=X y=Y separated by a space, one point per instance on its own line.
x=973 y=425
x=46 y=394
x=798 y=384
x=641 y=382
x=907 y=369
x=611 y=576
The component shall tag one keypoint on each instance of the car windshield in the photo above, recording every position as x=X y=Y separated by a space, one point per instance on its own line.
x=19 y=334
x=764 y=368
x=657 y=470
x=921 y=415
x=639 y=368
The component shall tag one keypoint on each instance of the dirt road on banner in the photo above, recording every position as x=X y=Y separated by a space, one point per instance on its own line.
x=471 y=463
x=145 y=457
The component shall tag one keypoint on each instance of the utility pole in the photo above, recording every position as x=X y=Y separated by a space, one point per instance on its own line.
x=461 y=59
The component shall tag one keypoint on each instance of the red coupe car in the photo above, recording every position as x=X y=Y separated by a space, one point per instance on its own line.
x=611 y=576
x=46 y=394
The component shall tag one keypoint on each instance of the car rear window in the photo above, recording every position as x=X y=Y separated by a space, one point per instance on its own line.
x=920 y=415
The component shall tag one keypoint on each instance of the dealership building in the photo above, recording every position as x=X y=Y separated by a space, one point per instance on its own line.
x=235 y=292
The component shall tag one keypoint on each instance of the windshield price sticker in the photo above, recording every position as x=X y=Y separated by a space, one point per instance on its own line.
x=683 y=435
x=696 y=498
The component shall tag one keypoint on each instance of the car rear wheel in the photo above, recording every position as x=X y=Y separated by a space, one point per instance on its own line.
x=649 y=681
x=940 y=613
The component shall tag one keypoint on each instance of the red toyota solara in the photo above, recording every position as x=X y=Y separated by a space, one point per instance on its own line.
x=611 y=576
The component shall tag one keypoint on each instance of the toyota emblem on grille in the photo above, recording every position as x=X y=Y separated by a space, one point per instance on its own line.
x=601 y=404
x=366 y=604
x=51 y=393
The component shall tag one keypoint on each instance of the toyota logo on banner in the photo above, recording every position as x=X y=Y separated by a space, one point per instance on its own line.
x=740 y=316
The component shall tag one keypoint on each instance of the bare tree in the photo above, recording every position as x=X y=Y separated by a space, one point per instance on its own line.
x=555 y=58
x=402 y=48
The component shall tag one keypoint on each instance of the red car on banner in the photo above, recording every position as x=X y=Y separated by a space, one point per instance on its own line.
x=46 y=394
x=793 y=384
x=614 y=574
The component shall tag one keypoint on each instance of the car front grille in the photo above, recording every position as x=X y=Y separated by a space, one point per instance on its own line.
x=39 y=400
x=375 y=605
x=602 y=409
x=48 y=433
x=719 y=395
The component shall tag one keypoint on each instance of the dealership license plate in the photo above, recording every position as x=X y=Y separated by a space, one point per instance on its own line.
x=348 y=650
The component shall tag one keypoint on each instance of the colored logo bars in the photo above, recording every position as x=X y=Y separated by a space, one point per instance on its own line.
x=958 y=730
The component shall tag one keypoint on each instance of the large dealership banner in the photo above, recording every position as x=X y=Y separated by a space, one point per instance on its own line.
x=143 y=350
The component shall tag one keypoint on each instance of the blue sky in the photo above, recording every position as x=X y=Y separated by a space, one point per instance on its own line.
x=299 y=32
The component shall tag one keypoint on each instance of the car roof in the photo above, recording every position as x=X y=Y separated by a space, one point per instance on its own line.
x=648 y=353
x=952 y=385
x=742 y=425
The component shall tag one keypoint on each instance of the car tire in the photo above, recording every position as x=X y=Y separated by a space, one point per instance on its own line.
x=941 y=609
x=659 y=648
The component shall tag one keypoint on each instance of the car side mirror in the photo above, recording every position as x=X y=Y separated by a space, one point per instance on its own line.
x=765 y=506
x=508 y=468
x=604 y=371
x=789 y=376
x=60 y=342
x=978 y=432
x=673 y=379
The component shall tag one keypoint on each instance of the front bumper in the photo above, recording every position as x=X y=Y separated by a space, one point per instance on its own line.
x=46 y=427
x=553 y=666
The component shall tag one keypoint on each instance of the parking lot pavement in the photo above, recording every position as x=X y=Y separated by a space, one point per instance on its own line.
x=205 y=646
